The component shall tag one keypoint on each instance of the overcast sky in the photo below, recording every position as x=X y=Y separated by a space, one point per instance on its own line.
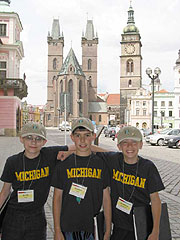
x=157 y=20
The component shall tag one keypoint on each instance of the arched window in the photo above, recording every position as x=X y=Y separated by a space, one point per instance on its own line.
x=89 y=64
x=130 y=83
x=61 y=86
x=55 y=63
x=80 y=98
x=129 y=66
x=70 y=90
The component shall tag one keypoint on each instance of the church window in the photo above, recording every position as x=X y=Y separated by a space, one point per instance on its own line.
x=61 y=86
x=3 y=30
x=100 y=118
x=80 y=98
x=70 y=90
x=71 y=68
x=49 y=117
x=89 y=64
x=55 y=63
x=130 y=66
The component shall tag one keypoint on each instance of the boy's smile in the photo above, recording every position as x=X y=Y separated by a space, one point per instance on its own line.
x=130 y=149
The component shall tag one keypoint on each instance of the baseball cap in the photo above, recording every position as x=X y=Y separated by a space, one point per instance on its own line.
x=82 y=122
x=129 y=133
x=33 y=128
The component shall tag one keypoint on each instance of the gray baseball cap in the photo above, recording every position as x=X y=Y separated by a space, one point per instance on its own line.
x=82 y=122
x=129 y=132
x=33 y=128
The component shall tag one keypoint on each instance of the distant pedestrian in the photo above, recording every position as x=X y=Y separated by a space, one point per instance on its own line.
x=81 y=185
x=29 y=174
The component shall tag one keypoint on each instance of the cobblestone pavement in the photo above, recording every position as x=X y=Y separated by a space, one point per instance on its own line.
x=169 y=170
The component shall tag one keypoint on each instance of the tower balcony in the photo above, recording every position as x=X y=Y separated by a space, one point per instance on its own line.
x=13 y=87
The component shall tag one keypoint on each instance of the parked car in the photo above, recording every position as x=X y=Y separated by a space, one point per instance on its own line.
x=176 y=132
x=62 y=126
x=146 y=131
x=174 y=141
x=110 y=131
x=158 y=139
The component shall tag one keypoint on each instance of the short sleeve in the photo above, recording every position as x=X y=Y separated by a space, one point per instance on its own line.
x=155 y=183
x=7 y=174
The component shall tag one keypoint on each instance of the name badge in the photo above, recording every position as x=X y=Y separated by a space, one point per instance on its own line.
x=26 y=196
x=124 y=205
x=78 y=190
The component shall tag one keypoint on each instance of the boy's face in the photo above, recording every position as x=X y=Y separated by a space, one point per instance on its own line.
x=83 y=140
x=32 y=145
x=130 y=149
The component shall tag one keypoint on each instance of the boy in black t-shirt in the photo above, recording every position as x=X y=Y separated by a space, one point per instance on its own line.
x=135 y=181
x=81 y=188
x=29 y=174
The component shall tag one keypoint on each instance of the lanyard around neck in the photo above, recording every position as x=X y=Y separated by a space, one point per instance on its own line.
x=24 y=169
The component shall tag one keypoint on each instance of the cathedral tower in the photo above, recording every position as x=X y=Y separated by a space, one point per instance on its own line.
x=130 y=64
x=55 y=42
x=89 y=45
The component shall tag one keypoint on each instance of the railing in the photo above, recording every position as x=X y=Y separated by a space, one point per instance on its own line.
x=19 y=86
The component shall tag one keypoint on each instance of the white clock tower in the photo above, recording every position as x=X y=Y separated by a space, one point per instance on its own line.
x=130 y=64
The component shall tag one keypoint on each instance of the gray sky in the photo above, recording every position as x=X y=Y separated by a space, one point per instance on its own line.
x=157 y=20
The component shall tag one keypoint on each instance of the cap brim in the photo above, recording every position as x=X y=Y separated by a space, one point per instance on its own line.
x=130 y=138
x=27 y=134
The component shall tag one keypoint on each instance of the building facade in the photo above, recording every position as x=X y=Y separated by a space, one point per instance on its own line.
x=12 y=88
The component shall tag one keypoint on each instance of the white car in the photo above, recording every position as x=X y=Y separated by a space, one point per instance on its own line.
x=62 y=126
x=158 y=138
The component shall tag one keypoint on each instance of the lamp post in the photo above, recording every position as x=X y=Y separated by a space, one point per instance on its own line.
x=157 y=72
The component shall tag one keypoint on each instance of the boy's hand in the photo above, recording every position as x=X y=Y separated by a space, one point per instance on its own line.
x=62 y=155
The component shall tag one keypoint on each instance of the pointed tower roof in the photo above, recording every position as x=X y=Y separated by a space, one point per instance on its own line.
x=55 y=33
x=89 y=34
x=178 y=60
x=71 y=61
x=5 y=6
x=130 y=28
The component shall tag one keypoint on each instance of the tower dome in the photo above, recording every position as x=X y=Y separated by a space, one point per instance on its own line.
x=130 y=28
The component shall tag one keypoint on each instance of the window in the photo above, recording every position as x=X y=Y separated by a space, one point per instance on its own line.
x=155 y=113
x=155 y=103
x=170 y=113
x=2 y=70
x=137 y=112
x=144 y=103
x=49 y=117
x=144 y=112
x=170 y=103
x=100 y=118
x=54 y=63
x=89 y=64
x=130 y=83
x=137 y=103
x=162 y=103
x=130 y=66
x=3 y=29
x=162 y=113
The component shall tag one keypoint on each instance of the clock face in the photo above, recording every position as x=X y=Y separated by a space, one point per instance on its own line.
x=130 y=48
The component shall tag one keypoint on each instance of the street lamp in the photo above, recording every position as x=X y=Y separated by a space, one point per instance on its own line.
x=157 y=72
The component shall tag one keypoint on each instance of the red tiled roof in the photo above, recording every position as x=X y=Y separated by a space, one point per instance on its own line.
x=113 y=99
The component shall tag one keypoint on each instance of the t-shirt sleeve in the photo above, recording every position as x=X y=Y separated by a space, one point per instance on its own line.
x=57 y=178
x=106 y=177
x=155 y=183
x=7 y=174
x=108 y=157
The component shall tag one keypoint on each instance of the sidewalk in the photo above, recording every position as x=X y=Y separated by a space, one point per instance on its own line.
x=169 y=171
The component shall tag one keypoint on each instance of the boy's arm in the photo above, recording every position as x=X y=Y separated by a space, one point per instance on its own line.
x=156 y=213
x=4 y=192
x=57 y=203
x=107 y=212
